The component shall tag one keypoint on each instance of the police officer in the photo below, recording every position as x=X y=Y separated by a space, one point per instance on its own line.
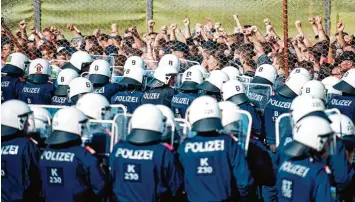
x=304 y=176
x=314 y=88
x=259 y=162
x=214 y=165
x=188 y=92
x=78 y=87
x=42 y=127
x=233 y=90
x=213 y=84
x=80 y=62
x=99 y=75
x=132 y=95
x=277 y=105
x=11 y=83
x=96 y=107
x=20 y=174
x=38 y=89
x=61 y=92
x=232 y=72
x=265 y=74
x=70 y=172
x=345 y=102
x=142 y=168
x=161 y=91
x=340 y=162
x=329 y=82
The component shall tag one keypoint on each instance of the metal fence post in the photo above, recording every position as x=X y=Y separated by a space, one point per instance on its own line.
x=327 y=13
x=37 y=13
x=149 y=11
x=285 y=29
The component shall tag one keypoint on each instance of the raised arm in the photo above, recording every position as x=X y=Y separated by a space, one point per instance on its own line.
x=300 y=31
x=321 y=33
x=187 y=28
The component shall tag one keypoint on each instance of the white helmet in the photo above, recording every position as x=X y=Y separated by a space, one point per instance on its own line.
x=79 y=61
x=314 y=88
x=293 y=85
x=69 y=124
x=191 y=78
x=265 y=74
x=344 y=128
x=14 y=116
x=347 y=83
x=163 y=74
x=16 y=63
x=39 y=71
x=214 y=82
x=147 y=124
x=312 y=132
x=229 y=112
x=134 y=61
x=170 y=59
x=64 y=78
x=342 y=125
x=232 y=72
x=43 y=123
x=133 y=76
x=329 y=82
x=204 y=114
x=233 y=90
x=301 y=70
x=100 y=72
x=306 y=105
x=79 y=86
x=94 y=106
x=201 y=68
x=169 y=115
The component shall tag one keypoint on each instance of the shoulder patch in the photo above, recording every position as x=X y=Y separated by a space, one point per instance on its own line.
x=90 y=150
x=168 y=146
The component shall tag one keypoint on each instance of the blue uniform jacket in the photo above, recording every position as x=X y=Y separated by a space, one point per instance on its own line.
x=256 y=126
x=158 y=96
x=215 y=169
x=71 y=174
x=276 y=106
x=144 y=172
x=10 y=87
x=130 y=99
x=108 y=90
x=345 y=104
x=181 y=102
x=303 y=180
x=37 y=93
x=20 y=174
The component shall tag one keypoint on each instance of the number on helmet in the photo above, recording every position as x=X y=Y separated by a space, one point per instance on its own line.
x=88 y=84
x=298 y=70
x=237 y=88
x=261 y=69
x=96 y=67
x=308 y=90
x=170 y=62
x=188 y=74
x=133 y=62
x=127 y=71
x=62 y=79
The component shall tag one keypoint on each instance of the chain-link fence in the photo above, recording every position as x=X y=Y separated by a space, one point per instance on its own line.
x=212 y=36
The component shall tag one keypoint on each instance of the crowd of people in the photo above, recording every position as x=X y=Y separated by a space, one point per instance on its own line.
x=199 y=115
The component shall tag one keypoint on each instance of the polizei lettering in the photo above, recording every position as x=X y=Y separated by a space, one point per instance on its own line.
x=134 y=154
x=151 y=96
x=59 y=99
x=9 y=150
x=31 y=90
x=280 y=104
x=5 y=83
x=58 y=156
x=209 y=146
x=177 y=100
x=126 y=99
x=254 y=96
x=345 y=103
x=294 y=169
